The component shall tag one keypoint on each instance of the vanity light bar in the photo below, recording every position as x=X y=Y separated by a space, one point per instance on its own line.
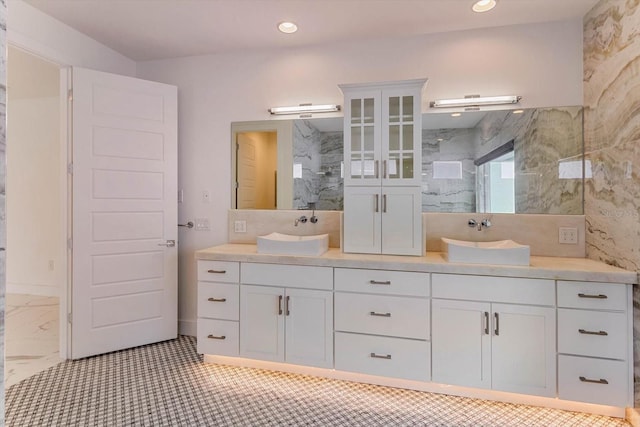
x=305 y=109
x=475 y=101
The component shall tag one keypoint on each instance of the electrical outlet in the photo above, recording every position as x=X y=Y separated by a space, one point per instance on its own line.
x=568 y=235
x=240 y=226
x=202 y=224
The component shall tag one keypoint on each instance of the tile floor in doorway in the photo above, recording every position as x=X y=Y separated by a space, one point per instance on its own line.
x=31 y=336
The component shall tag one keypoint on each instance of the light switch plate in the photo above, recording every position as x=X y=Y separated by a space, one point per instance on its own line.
x=568 y=235
x=202 y=224
x=240 y=226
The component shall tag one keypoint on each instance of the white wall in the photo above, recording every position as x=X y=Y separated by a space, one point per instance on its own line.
x=33 y=196
x=36 y=32
x=541 y=62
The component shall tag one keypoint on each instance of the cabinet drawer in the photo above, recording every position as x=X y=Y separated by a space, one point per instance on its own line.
x=384 y=356
x=382 y=282
x=218 y=271
x=592 y=333
x=382 y=315
x=514 y=290
x=295 y=276
x=218 y=337
x=593 y=380
x=219 y=300
x=592 y=295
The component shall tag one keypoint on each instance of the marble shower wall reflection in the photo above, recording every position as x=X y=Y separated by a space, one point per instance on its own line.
x=317 y=160
x=3 y=223
x=548 y=161
x=612 y=141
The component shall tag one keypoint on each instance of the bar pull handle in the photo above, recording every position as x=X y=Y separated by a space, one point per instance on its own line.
x=496 y=331
x=217 y=299
x=599 y=296
x=286 y=306
x=384 y=203
x=216 y=337
x=377 y=209
x=380 y=356
x=376 y=167
x=279 y=305
x=378 y=282
x=587 y=380
x=384 y=168
x=486 y=323
x=217 y=271
x=601 y=333
x=373 y=313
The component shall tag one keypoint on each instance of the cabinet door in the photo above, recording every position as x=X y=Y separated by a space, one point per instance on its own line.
x=362 y=220
x=362 y=142
x=401 y=221
x=401 y=136
x=262 y=322
x=523 y=349
x=461 y=343
x=309 y=327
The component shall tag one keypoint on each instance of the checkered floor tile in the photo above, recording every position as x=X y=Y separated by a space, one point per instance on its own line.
x=166 y=384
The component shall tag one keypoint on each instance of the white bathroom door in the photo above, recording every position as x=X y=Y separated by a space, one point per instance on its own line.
x=124 y=213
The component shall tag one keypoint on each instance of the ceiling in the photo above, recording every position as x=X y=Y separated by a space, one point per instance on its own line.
x=158 y=29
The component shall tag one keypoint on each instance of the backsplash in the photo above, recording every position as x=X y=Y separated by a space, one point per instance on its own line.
x=540 y=232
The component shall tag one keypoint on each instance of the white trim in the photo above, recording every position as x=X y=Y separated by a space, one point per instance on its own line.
x=35 y=48
x=32 y=289
x=547 y=402
x=66 y=221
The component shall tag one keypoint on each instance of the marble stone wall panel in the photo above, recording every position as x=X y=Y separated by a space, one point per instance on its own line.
x=612 y=141
x=3 y=222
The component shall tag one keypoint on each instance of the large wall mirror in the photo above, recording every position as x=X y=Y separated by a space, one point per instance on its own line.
x=506 y=161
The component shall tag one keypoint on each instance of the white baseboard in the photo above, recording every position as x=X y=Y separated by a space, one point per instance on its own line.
x=30 y=289
x=187 y=327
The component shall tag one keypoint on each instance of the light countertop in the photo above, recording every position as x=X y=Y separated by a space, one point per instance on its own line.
x=559 y=268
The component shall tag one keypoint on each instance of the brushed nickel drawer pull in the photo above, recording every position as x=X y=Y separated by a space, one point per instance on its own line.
x=216 y=337
x=600 y=381
x=384 y=203
x=217 y=299
x=378 y=282
x=601 y=333
x=486 y=323
x=376 y=167
x=379 y=356
x=279 y=305
x=599 y=296
x=286 y=306
x=376 y=198
x=217 y=271
x=373 y=313
x=497 y=329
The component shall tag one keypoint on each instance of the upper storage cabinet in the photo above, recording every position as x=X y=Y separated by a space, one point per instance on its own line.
x=382 y=133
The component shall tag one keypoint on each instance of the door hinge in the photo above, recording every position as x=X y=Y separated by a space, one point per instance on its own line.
x=237 y=146
x=237 y=185
x=70 y=95
x=69 y=243
x=70 y=168
x=69 y=318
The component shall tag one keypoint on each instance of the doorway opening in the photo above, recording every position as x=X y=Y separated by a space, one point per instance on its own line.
x=257 y=170
x=36 y=262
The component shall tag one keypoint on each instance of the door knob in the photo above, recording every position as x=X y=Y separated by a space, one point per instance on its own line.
x=168 y=243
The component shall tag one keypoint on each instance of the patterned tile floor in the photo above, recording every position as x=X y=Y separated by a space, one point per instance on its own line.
x=166 y=384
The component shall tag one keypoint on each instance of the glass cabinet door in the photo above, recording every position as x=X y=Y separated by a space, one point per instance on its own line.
x=362 y=139
x=401 y=159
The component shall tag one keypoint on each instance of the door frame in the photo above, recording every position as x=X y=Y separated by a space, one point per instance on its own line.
x=45 y=53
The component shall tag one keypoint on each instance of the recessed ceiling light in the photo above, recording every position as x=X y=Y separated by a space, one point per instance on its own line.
x=287 y=27
x=483 y=5
x=456 y=114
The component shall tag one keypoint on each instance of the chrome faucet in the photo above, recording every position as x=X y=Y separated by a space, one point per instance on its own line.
x=486 y=223
x=314 y=218
x=302 y=219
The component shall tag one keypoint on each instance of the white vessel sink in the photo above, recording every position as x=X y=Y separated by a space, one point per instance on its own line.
x=286 y=244
x=503 y=252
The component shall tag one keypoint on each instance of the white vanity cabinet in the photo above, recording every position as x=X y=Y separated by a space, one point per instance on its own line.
x=218 y=307
x=383 y=162
x=382 y=323
x=494 y=332
x=286 y=314
x=594 y=336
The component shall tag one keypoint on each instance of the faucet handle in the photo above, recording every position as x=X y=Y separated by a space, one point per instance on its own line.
x=486 y=223
x=472 y=223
